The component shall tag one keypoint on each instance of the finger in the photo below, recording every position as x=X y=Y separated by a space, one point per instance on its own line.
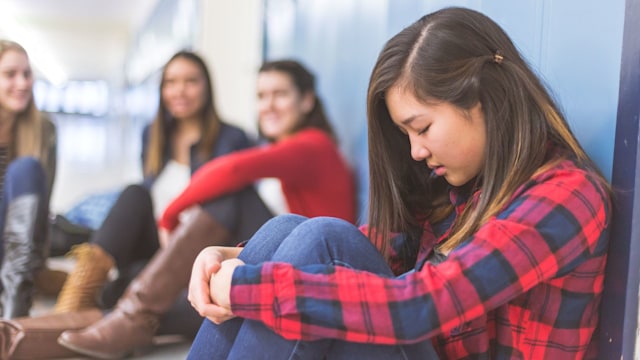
x=199 y=282
x=199 y=294
x=197 y=299
x=199 y=285
x=220 y=319
x=213 y=268
x=215 y=312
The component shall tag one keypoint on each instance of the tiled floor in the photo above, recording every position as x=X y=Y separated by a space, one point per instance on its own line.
x=98 y=154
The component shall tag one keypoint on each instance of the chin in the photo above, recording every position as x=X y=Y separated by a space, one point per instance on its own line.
x=182 y=114
x=454 y=182
x=271 y=133
x=17 y=110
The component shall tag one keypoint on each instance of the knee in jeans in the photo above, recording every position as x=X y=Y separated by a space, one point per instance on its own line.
x=285 y=219
x=323 y=223
x=26 y=173
x=25 y=167
x=327 y=227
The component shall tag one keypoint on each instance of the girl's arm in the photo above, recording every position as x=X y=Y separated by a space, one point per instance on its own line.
x=206 y=265
x=547 y=231
x=289 y=160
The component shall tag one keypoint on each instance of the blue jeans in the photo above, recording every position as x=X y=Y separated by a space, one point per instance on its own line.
x=25 y=176
x=301 y=241
x=23 y=222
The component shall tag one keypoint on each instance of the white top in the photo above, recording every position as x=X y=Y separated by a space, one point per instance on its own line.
x=270 y=191
x=175 y=177
x=168 y=185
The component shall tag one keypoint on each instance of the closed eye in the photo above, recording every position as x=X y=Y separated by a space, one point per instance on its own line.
x=423 y=130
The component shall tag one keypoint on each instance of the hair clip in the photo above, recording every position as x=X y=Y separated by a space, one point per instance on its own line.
x=497 y=57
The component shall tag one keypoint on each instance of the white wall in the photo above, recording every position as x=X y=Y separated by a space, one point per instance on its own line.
x=231 y=42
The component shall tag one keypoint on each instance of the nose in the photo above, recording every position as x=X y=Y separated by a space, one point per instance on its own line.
x=180 y=87
x=266 y=102
x=24 y=81
x=419 y=151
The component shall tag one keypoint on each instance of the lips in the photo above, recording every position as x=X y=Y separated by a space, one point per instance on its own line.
x=179 y=103
x=179 y=107
x=17 y=103
x=437 y=169
x=20 y=96
x=270 y=117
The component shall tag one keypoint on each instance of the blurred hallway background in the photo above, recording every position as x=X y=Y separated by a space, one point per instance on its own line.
x=98 y=66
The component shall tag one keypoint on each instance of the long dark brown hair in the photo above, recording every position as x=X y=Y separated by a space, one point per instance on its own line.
x=164 y=123
x=305 y=83
x=462 y=57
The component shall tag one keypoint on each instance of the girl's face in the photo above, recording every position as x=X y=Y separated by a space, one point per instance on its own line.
x=16 y=82
x=449 y=140
x=281 y=106
x=184 y=89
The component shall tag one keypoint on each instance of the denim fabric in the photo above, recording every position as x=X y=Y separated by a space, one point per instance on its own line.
x=301 y=241
x=25 y=176
x=91 y=211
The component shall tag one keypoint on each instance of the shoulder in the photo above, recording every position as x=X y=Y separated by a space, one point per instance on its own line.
x=568 y=186
x=146 y=132
x=312 y=137
x=314 y=134
x=306 y=144
x=568 y=174
x=147 y=129
x=46 y=123
x=48 y=128
x=233 y=135
x=227 y=129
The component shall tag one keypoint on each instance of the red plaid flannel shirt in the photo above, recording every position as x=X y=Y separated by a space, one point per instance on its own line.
x=527 y=285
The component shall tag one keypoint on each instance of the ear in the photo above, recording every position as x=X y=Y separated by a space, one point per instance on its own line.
x=308 y=102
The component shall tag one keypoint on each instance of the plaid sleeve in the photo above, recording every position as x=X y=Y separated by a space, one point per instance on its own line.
x=551 y=226
x=398 y=252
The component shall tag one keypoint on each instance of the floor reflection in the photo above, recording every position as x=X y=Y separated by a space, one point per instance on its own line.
x=94 y=154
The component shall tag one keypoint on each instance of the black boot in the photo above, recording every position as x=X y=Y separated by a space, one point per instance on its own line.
x=24 y=254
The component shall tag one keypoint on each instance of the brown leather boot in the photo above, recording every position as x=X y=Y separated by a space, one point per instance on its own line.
x=134 y=321
x=36 y=337
x=89 y=275
x=49 y=282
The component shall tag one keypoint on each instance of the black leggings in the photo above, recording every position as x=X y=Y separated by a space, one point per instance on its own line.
x=129 y=234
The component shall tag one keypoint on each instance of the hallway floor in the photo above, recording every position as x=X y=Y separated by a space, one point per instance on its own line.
x=166 y=348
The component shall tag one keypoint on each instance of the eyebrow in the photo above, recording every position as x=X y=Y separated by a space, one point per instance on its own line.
x=409 y=120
